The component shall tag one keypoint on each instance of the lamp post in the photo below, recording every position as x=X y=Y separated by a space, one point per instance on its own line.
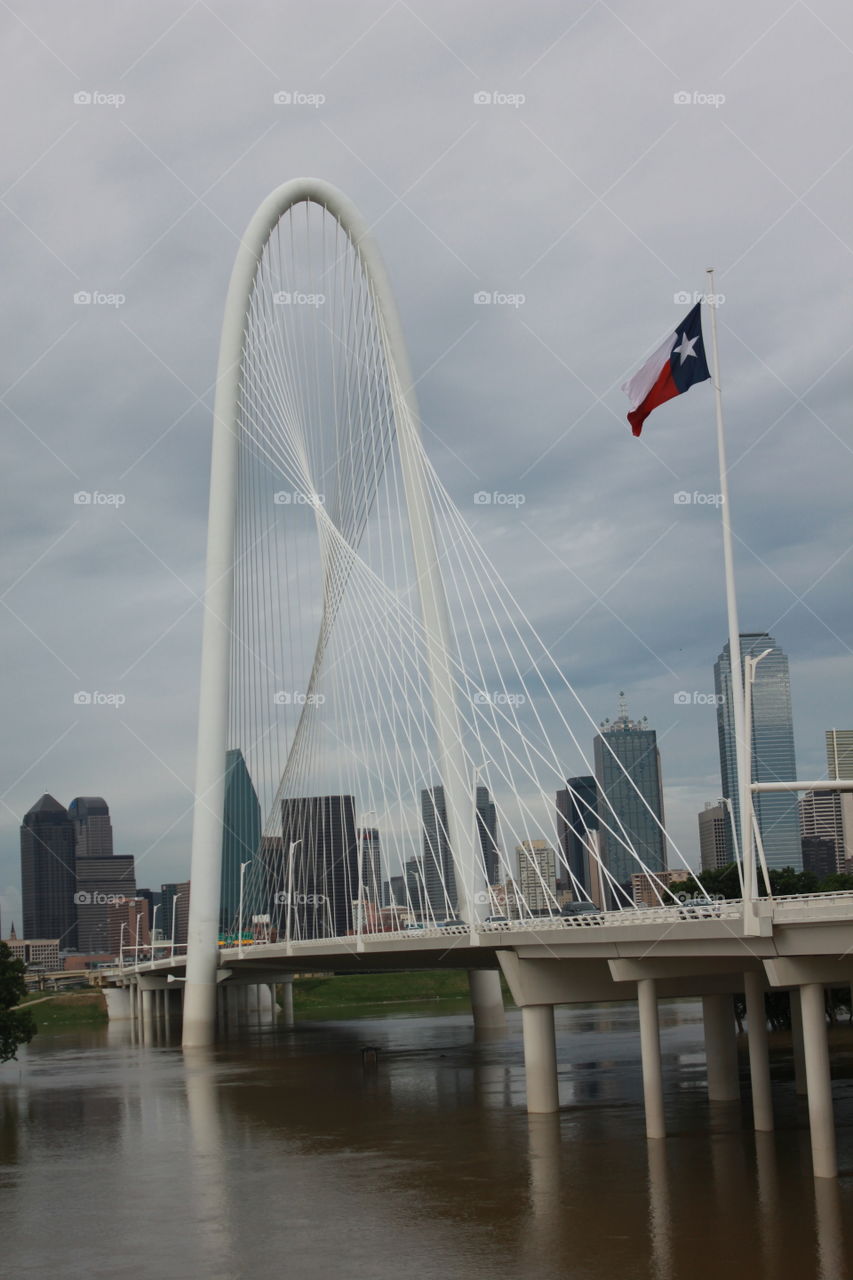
x=174 y=906
x=121 y=944
x=138 y=932
x=289 y=903
x=243 y=866
x=153 y=932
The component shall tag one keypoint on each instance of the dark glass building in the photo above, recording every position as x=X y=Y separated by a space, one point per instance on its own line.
x=626 y=753
x=93 y=832
x=577 y=817
x=101 y=883
x=325 y=865
x=439 y=871
x=773 y=757
x=48 y=873
x=241 y=840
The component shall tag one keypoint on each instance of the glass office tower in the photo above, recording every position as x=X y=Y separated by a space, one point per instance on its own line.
x=773 y=758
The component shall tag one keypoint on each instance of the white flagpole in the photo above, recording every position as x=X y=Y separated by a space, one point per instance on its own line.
x=743 y=751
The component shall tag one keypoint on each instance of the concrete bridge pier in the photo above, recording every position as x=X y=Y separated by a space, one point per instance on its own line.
x=818 y=1080
x=759 y=1059
x=797 y=1045
x=647 y=1003
x=540 y=1058
x=721 y=1048
x=287 y=1000
x=273 y=1004
x=118 y=1002
x=487 y=1003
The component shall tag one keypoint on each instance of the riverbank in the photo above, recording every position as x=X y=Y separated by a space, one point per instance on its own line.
x=310 y=994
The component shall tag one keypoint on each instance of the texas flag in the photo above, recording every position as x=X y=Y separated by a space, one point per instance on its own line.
x=675 y=366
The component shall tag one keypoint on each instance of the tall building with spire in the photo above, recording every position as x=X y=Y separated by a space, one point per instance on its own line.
x=48 y=880
x=773 y=757
x=630 y=791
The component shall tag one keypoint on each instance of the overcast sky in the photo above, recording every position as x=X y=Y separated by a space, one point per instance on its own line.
x=585 y=184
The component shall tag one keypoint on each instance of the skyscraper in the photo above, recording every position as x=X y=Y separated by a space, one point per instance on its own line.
x=577 y=818
x=773 y=758
x=325 y=864
x=822 y=818
x=839 y=761
x=241 y=839
x=627 y=769
x=371 y=864
x=487 y=829
x=439 y=873
x=93 y=832
x=102 y=879
x=714 y=842
x=48 y=873
x=537 y=876
x=101 y=882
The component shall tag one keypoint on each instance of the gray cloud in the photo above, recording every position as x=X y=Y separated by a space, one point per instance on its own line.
x=598 y=198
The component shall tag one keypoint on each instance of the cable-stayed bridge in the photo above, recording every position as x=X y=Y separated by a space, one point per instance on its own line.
x=383 y=733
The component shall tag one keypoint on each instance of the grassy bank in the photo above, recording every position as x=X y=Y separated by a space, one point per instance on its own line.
x=378 y=988
x=70 y=1009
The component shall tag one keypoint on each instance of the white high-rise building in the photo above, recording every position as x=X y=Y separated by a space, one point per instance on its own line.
x=839 y=764
x=537 y=875
x=714 y=836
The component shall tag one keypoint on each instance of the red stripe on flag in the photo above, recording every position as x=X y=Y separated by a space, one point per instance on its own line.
x=664 y=389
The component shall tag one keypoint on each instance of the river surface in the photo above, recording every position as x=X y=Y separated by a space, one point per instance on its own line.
x=281 y=1154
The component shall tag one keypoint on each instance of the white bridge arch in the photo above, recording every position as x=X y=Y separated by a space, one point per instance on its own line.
x=199 y=1000
x=487 y=725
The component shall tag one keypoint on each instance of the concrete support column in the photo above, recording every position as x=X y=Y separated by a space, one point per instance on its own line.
x=487 y=1002
x=287 y=1000
x=540 y=1058
x=720 y=1048
x=759 y=1060
x=797 y=1043
x=134 y=1001
x=273 y=1004
x=821 y=1119
x=147 y=1006
x=117 y=1000
x=647 y=1003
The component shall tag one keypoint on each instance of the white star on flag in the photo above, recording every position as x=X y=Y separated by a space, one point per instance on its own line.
x=685 y=348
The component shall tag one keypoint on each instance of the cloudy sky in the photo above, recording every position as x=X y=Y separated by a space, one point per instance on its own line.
x=139 y=140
